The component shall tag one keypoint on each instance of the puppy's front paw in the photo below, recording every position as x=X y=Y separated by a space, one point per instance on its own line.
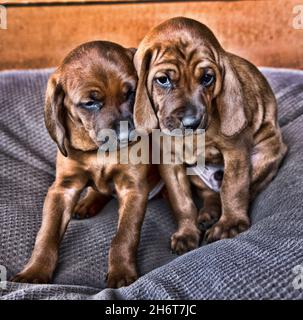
x=32 y=275
x=227 y=228
x=121 y=277
x=185 y=239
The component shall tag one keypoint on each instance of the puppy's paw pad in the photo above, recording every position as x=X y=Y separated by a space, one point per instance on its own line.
x=226 y=229
x=183 y=241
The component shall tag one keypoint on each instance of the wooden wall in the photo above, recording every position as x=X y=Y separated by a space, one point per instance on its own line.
x=40 y=35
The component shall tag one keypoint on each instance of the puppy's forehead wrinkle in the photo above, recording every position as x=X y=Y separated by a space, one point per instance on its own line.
x=183 y=54
x=173 y=48
x=191 y=55
x=181 y=35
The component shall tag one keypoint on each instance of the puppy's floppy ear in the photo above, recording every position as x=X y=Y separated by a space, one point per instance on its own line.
x=54 y=112
x=132 y=51
x=144 y=114
x=231 y=101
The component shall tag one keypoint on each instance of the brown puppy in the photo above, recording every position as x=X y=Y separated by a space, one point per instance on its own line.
x=187 y=80
x=93 y=89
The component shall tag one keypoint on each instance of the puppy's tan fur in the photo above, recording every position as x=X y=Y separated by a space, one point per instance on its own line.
x=104 y=72
x=239 y=114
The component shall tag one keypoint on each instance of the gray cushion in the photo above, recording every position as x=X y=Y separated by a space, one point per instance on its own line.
x=256 y=264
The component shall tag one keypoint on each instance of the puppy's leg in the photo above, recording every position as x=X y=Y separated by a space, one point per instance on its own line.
x=57 y=211
x=266 y=160
x=211 y=210
x=122 y=267
x=234 y=196
x=177 y=183
x=91 y=204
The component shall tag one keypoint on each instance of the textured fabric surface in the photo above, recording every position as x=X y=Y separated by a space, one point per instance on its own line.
x=256 y=264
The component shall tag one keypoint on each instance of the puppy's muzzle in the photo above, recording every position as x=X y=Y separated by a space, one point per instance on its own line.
x=191 y=122
x=193 y=118
x=124 y=128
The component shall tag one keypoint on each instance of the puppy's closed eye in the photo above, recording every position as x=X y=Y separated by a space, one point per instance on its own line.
x=93 y=102
x=92 y=105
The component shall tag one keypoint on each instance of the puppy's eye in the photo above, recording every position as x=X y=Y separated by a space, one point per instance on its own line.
x=207 y=80
x=164 y=82
x=92 y=105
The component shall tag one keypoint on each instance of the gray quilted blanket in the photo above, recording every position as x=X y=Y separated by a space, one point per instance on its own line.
x=258 y=264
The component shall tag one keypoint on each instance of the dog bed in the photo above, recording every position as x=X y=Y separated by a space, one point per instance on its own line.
x=258 y=264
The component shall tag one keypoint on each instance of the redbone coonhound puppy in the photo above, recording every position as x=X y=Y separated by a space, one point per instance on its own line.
x=93 y=89
x=187 y=80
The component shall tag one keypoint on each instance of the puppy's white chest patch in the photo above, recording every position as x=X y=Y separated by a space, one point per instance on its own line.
x=210 y=174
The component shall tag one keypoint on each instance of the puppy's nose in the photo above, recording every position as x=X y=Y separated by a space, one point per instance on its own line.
x=191 y=122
